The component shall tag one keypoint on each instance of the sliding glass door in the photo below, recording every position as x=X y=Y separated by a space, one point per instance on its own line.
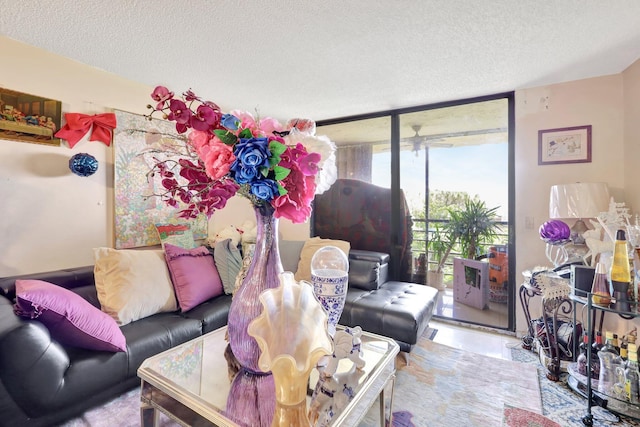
x=450 y=164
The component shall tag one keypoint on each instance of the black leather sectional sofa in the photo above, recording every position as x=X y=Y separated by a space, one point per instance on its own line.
x=43 y=383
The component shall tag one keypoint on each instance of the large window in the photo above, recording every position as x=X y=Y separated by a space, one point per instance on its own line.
x=444 y=162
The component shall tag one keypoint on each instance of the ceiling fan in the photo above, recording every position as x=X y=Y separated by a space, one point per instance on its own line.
x=420 y=142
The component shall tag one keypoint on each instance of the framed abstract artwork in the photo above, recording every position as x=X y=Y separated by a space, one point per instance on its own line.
x=137 y=210
x=29 y=118
x=564 y=145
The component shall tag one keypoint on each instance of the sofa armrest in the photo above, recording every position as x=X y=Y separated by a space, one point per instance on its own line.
x=32 y=366
x=364 y=274
x=368 y=270
x=380 y=257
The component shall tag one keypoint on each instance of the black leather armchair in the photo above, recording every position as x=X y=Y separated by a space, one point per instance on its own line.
x=362 y=214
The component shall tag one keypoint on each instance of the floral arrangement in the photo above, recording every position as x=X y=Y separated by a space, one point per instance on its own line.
x=225 y=154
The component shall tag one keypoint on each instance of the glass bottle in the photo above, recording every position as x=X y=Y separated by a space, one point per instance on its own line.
x=596 y=346
x=632 y=376
x=620 y=273
x=600 y=287
x=609 y=364
x=581 y=362
x=624 y=353
x=631 y=339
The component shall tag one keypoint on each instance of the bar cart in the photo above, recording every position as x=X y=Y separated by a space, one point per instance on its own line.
x=554 y=335
x=584 y=384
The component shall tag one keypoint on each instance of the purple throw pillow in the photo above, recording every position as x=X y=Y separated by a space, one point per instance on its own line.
x=70 y=319
x=194 y=275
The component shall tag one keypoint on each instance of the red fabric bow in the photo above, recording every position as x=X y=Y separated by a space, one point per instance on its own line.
x=79 y=124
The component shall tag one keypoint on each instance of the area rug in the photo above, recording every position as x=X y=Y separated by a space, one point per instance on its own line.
x=441 y=386
x=446 y=386
x=561 y=404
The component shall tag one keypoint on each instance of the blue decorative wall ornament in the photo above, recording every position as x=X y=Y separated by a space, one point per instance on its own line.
x=83 y=164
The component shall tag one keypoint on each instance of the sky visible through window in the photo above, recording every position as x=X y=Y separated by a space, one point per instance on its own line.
x=476 y=169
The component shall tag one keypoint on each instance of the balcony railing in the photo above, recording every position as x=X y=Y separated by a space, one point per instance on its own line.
x=421 y=233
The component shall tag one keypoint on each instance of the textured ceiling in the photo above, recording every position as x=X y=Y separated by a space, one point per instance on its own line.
x=333 y=58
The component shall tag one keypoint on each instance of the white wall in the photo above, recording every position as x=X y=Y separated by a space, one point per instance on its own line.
x=600 y=102
x=52 y=219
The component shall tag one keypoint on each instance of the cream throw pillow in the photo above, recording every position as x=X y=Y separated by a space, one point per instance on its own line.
x=133 y=284
x=309 y=249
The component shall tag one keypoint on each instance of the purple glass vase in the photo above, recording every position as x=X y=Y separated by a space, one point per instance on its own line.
x=252 y=395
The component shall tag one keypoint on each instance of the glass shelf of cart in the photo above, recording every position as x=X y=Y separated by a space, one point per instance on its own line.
x=634 y=308
x=616 y=404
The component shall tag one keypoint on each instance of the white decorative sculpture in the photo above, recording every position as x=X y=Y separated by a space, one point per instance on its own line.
x=594 y=241
x=346 y=344
x=332 y=394
x=615 y=218
x=335 y=389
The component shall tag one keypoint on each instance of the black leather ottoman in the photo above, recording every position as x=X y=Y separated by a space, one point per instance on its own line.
x=397 y=310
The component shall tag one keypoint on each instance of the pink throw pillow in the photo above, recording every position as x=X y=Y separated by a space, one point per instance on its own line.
x=71 y=319
x=194 y=275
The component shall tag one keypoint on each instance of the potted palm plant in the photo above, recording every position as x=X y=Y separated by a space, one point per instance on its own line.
x=470 y=226
x=473 y=226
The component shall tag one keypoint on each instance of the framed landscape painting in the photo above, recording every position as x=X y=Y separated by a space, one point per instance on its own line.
x=29 y=118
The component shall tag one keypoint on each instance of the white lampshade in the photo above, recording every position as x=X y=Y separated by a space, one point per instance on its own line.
x=578 y=200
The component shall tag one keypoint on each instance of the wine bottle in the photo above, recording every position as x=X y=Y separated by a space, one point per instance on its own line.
x=620 y=274
x=595 y=360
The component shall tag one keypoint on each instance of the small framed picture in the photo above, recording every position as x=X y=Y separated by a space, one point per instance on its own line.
x=564 y=145
x=29 y=118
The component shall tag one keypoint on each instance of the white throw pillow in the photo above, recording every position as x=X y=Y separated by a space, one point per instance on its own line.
x=309 y=249
x=133 y=284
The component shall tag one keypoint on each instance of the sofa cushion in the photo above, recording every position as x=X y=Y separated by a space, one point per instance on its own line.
x=154 y=334
x=71 y=320
x=213 y=314
x=290 y=251
x=228 y=261
x=194 y=275
x=309 y=249
x=398 y=310
x=133 y=284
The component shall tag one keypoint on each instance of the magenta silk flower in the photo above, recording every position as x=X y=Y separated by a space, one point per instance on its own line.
x=235 y=153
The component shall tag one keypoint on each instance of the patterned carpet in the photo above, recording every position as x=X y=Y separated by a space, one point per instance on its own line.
x=442 y=386
x=561 y=404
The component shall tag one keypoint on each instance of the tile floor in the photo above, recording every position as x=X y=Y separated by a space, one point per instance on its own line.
x=475 y=339
x=494 y=314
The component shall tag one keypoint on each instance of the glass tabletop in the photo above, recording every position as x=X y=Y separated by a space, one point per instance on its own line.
x=195 y=373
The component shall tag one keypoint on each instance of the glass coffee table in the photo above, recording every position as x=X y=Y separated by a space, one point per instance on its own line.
x=190 y=383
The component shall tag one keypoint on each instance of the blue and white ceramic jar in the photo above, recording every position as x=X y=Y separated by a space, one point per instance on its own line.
x=330 y=276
